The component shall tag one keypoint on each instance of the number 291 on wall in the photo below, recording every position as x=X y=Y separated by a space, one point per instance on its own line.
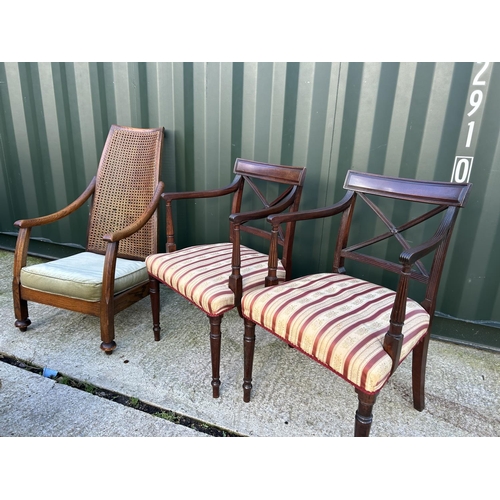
x=463 y=164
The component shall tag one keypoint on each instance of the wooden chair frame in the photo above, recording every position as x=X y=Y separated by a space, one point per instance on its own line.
x=110 y=303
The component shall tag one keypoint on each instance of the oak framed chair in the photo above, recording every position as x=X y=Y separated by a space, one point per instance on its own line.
x=110 y=275
x=215 y=276
x=355 y=327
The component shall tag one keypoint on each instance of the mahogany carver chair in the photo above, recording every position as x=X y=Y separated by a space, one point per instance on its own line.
x=354 y=327
x=215 y=276
x=110 y=275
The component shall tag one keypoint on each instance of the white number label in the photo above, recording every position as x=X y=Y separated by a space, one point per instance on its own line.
x=476 y=98
x=477 y=81
x=461 y=169
x=463 y=164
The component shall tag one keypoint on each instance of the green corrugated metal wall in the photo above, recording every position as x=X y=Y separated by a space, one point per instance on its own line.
x=405 y=119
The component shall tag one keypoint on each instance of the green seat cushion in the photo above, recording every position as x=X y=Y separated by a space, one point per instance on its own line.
x=80 y=276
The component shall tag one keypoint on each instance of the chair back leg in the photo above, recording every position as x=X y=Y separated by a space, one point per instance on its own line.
x=419 y=362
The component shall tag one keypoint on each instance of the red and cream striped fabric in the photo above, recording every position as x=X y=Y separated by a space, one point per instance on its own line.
x=200 y=273
x=339 y=321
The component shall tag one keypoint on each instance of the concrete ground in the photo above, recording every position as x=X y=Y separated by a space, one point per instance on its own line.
x=292 y=396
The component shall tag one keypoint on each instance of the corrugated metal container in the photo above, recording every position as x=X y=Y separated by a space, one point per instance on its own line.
x=419 y=120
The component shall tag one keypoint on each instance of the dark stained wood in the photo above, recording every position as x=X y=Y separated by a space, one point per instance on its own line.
x=448 y=198
x=110 y=303
x=215 y=342
x=364 y=416
x=248 y=351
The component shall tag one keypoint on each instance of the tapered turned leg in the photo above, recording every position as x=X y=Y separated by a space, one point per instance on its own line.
x=364 y=415
x=154 y=293
x=419 y=362
x=215 y=336
x=248 y=350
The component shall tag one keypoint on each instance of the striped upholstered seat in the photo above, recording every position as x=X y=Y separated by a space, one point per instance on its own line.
x=201 y=273
x=338 y=321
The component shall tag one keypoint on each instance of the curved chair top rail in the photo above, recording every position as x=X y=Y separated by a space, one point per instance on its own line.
x=434 y=192
x=270 y=172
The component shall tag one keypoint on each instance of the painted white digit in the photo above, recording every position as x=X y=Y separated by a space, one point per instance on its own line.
x=481 y=71
x=462 y=167
x=475 y=100
x=469 y=134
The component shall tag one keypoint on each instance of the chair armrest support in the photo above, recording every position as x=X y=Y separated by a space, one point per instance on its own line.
x=47 y=219
x=141 y=221
x=393 y=340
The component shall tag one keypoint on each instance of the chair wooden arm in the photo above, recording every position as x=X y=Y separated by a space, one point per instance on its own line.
x=139 y=223
x=243 y=217
x=213 y=193
x=393 y=340
x=236 y=220
x=411 y=255
x=108 y=273
x=47 y=219
x=209 y=193
x=315 y=213
x=25 y=225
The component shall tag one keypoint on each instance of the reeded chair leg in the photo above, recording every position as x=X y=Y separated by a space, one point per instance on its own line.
x=419 y=362
x=215 y=341
x=364 y=416
x=248 y=351
x=154 y=293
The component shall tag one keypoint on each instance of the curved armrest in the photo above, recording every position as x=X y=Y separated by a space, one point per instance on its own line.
x=315 y=213
x=47 y=219
x=141 y=221
x=411 y=255
x=242 y=217
x=211 y=193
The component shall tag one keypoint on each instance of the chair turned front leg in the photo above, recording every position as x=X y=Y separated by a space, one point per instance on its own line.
x=154 y=293
x=215 y=341
x=364 y=415
x=248 y=351
x=419 y=362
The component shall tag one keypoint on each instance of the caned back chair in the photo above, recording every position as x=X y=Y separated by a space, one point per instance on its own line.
x=214 y=277
x=110 y=275
x=354 y=327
